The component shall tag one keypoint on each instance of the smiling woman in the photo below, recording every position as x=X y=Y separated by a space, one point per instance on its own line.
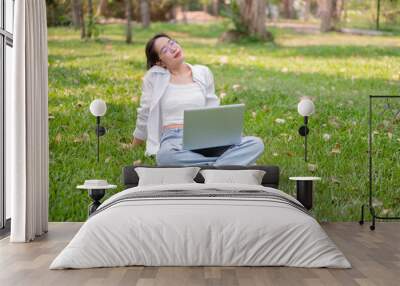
x=171 y=86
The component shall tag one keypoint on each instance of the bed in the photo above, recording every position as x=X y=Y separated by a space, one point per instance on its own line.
x=199 y=224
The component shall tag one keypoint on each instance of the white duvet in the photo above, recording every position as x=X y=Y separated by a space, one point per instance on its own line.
x=200 y=231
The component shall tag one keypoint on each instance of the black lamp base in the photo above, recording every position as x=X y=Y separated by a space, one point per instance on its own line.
x=96 y=195
x=305 y=193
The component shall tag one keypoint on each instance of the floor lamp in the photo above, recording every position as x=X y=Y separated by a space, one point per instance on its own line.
x=305 y=108
x=98 y=108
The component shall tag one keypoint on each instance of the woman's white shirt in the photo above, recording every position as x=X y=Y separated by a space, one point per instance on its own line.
x=179 y=97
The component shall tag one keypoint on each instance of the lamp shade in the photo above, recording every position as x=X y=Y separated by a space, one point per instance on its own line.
x=306 y=107
x=98 y=107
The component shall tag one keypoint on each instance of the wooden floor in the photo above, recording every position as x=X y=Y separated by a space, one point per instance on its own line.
x=374 y=255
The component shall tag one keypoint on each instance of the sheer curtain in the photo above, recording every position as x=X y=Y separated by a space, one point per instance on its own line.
x=27 y=154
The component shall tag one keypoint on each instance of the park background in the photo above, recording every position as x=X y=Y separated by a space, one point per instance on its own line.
x=333 y=51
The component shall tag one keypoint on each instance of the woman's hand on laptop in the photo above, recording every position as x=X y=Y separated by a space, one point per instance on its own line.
x=136 y=141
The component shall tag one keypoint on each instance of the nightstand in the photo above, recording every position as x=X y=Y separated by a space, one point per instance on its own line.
x=304 y=190
x=96 y=190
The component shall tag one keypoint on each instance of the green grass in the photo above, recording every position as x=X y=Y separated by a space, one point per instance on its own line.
x=337 y=71
x=365 y=18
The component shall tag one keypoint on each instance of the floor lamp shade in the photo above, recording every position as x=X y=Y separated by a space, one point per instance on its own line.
x=306 y=107
x=98 y=107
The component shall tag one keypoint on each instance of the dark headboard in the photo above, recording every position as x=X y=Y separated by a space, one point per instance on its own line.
x=130 y=178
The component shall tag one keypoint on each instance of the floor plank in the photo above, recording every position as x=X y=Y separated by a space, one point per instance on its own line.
x=374 y=255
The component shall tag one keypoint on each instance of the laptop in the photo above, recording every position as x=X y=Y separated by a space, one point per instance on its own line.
x=212 y=130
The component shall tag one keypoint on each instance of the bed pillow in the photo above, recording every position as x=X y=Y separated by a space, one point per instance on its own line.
x=162 y=176
x=250 y=177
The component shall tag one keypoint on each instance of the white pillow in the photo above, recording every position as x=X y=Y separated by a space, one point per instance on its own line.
x=162 y=176
x=250 y=177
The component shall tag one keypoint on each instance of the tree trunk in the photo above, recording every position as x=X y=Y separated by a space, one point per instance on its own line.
x=328 y=14
x=252 y=13
x=145 y=13
x=288 y=10
x=307 y=9
x=128 y=7
x=91 y=22
x=215 y=7
x=344 y=12
x=184 y=8
x=82 y=19
x=205 y=8
x=339 y=9
x=173 y=13
x=102 y=8
x=378 y=13
x=75 y=10
x=336 y=11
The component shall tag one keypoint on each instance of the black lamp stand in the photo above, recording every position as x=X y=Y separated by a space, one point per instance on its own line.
x=100 y=131
x=303 y=131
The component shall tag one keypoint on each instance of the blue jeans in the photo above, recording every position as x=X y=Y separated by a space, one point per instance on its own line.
x=171 y=152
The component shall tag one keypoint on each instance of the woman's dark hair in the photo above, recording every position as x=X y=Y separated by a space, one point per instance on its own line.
x=151 y=54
